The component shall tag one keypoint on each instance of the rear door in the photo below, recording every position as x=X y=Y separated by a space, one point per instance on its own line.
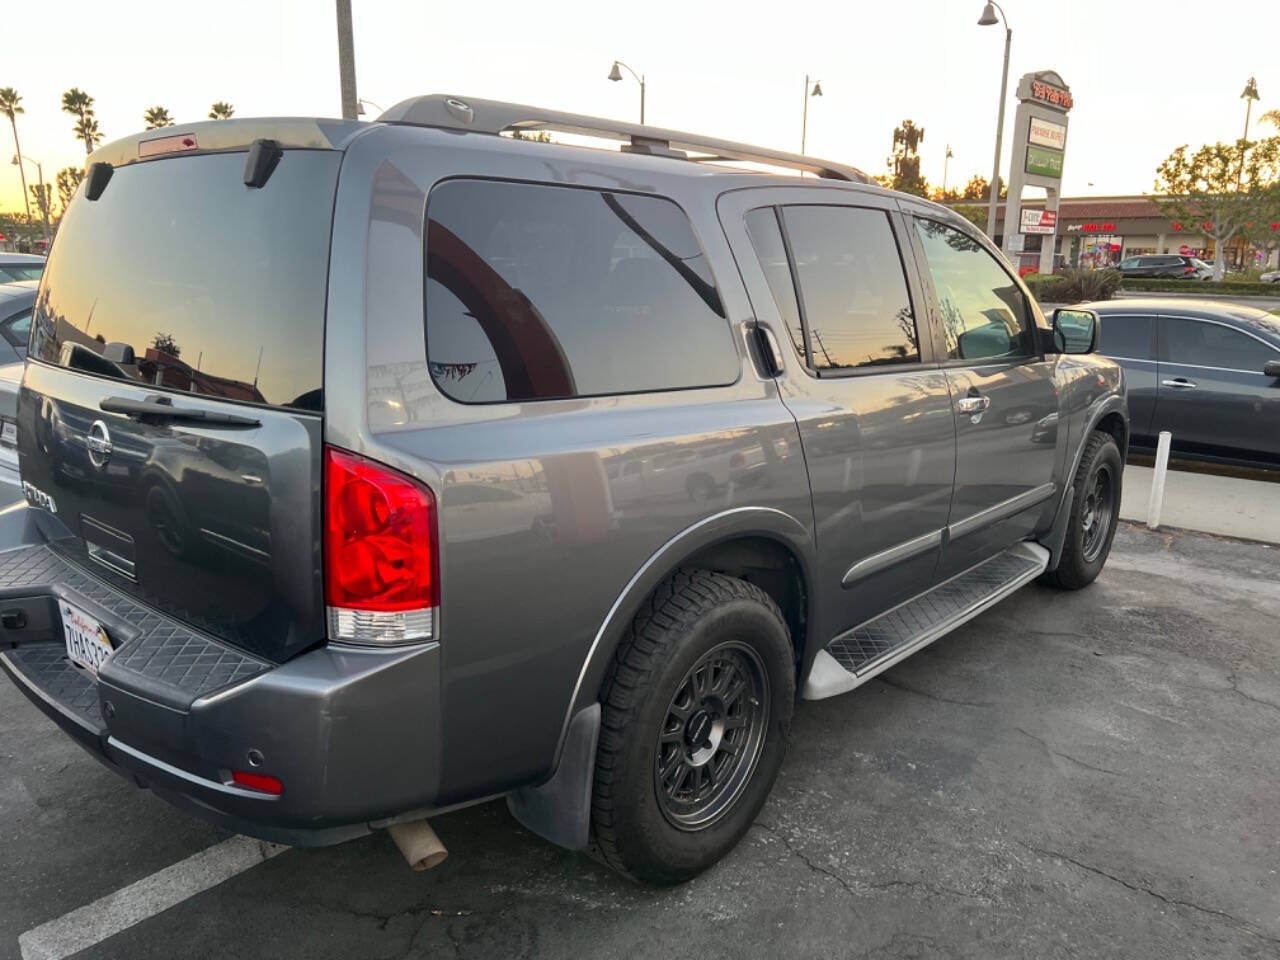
x=828 y=272
x=1130 y=340
x=1004 y=400
x=171 y=410
x=1213 y=396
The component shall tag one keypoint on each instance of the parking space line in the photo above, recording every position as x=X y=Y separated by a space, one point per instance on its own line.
x=109 y=915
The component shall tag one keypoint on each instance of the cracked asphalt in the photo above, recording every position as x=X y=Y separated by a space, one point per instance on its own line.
x=1070 y=775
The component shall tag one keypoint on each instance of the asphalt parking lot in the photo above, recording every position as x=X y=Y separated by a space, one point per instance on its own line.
x=1070 y=775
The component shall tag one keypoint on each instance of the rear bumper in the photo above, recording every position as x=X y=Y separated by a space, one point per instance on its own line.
x=353 y=734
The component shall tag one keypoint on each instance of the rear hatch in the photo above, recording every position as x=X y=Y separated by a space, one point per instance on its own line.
x=171 y=414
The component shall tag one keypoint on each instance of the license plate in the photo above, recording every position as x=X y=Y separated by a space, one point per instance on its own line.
x=9 y=433
x=87 y=643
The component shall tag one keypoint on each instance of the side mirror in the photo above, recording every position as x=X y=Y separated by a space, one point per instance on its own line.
x=1075 y=331
x=1271 y=369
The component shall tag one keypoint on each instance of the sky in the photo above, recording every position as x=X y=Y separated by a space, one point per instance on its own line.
x=1146 y=76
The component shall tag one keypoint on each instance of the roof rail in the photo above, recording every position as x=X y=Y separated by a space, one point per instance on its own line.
x=494 y=116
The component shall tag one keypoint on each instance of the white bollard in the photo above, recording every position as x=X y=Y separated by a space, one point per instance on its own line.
x=1157 y=480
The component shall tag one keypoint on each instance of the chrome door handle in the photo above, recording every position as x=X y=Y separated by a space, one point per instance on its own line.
x=1182 y=383
x=972 y=404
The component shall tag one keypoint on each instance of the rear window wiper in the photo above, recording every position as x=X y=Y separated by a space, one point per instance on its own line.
x=162 y=408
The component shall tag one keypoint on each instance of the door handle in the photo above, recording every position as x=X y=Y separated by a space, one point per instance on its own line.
x=1180 y=383
x=972 y=404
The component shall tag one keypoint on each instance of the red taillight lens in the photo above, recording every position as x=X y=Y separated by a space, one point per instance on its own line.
x=257 y=781
x=381 y=553
x=1188 y=269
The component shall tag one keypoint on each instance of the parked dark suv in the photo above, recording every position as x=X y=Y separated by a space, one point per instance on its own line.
x=1165 y=266
x=378 y=469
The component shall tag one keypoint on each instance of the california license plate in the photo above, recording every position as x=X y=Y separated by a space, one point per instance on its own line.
x=87 y=643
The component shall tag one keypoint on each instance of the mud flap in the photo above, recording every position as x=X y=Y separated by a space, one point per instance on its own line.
x=559 y=810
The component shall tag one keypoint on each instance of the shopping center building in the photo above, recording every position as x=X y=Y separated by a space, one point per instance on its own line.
x=1101 y=231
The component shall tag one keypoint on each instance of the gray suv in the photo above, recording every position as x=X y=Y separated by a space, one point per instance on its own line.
x=377 y=469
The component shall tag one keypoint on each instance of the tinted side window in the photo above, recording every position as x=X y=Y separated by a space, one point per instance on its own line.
x=536 y=292
x=17 y=329
x=1126 y=337
x=984 y=313
x=766 y=237
x=1213 y=345
x=852 y=287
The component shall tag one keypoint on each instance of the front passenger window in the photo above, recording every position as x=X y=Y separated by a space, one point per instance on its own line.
x=984 y=312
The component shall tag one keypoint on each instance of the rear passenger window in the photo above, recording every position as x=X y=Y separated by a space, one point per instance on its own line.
x=762 y=226
x=1194 y=343
x=984 y=313
x=536 y=292
x=853 y=291
x=1128 y=338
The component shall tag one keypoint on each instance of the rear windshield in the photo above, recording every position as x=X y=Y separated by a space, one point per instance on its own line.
x=181 y=277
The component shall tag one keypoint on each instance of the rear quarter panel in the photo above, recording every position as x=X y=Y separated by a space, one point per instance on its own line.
x=531 y=571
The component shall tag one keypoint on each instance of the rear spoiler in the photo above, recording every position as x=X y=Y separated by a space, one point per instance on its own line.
x=223 y=136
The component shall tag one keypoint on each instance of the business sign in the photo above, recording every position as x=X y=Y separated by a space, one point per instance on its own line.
x=1039 y=221
x=1045 y=133
x=1051 y=95
x=1044 y=162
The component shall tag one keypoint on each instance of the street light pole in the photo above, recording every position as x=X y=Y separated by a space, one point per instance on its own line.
x=804 y=119
x=988 y=19
x=946 y=159
x=18 y=160
x=615 y=75
x=1249 y=95
x=346 y=61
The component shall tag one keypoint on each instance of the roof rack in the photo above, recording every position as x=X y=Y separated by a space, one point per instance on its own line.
x=494 y=116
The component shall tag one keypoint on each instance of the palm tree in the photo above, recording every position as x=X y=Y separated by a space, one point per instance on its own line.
x=1271 y=116
x=156 y=117
x=86 y=129
x=221 y=110
x=80 y=105
x=10 y=106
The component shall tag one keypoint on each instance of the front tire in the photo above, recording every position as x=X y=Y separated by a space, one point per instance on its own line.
x=1095 y=514
x=697 y=709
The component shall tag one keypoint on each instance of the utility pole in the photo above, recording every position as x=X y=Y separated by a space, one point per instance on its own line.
x=346 y=61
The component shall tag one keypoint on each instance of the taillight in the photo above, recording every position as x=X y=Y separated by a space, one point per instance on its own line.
x=1188 y=269
x=257 y=781
x=381 y=555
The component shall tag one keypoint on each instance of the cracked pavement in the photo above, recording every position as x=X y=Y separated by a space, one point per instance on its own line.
x=1090 y=774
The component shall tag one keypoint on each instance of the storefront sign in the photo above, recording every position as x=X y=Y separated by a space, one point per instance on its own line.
x=1039 y=221
x=1044 y=162
x=1053 y=96
x=1046 y=134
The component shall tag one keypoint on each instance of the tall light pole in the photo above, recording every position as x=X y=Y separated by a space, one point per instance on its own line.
x=946 y=159
x=44 y=198
x=346 y=62
x=1249 y=95
x=804 y=119
x=615 y=75
x=989 y=19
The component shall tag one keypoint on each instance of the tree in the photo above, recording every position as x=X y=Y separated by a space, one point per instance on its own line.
x=157 y=117
x=11 y=106
x=42 y=194
x=80 y=105
x=68 y=180
x=221 y=110
x=165 y=343
x=1271 y=116
x=979 y=188
x=1219 y=189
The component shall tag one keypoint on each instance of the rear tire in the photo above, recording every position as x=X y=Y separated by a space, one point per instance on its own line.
x=697 y=709
x=1095 y=514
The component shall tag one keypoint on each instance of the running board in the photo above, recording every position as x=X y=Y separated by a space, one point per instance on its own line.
x=856 y=656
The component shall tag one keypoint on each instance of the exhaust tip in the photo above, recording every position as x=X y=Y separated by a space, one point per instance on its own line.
x=418 y=844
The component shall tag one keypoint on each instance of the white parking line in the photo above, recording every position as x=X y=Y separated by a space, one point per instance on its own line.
x=105 y=917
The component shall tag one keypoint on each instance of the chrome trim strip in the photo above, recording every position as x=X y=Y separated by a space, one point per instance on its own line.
x=835 y=686
x=232 y=544
x=1001 y=510
x=110 y=559
x=186 y=776
x=886 y=558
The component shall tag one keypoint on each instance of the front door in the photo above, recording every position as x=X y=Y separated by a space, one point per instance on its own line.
x=873 y=408
x=1004 y=401
x=1213 y=396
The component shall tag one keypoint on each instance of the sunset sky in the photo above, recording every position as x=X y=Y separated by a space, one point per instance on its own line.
x=1146 y=76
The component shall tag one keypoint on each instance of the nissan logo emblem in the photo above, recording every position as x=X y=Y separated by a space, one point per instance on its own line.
x=98 y=443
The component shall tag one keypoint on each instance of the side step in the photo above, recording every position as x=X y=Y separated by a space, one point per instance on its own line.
x=856 y=656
